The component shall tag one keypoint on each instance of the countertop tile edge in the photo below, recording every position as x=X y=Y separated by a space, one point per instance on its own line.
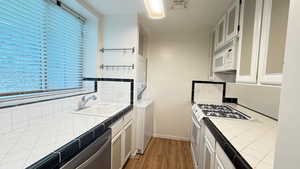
x=54 y=159
x=236 y=158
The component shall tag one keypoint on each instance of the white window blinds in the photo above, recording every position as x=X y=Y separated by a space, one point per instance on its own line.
x=41 y=48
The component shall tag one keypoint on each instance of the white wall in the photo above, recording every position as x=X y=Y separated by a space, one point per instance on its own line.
x=119 y=31
x=175 y=59
x=287 y=153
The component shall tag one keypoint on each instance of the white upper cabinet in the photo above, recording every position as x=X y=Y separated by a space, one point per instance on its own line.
x=221 y=30
x=225 y=39
x=211 y=54
x=273 y=39
x=232 y=20
x=249 y=40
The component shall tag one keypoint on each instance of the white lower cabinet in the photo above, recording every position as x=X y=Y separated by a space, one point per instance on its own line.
x=127 y=141
x=214 y=157
x=121 y=145
x=218 y=163
x=222 y=161
x=117 y=152
x=209 y=155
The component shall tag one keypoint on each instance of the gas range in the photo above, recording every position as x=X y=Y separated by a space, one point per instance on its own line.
x=221 y=111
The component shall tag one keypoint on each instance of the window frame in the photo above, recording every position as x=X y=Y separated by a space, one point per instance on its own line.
x=35 y=96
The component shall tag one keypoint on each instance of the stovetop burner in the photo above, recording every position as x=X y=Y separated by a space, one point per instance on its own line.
x=222 y=111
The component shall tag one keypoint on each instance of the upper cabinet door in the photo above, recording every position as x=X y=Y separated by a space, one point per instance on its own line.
x=212 y=54
x=232 y=20
x=248 y=50
x=273 y=39
x=221 y=30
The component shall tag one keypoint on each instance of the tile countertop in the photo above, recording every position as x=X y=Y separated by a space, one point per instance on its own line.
x=23 y=147
x=254 y=139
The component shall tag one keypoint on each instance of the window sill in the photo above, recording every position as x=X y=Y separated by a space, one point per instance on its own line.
x=37 y=98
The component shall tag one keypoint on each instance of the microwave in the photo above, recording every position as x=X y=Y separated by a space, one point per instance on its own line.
x=225 y=59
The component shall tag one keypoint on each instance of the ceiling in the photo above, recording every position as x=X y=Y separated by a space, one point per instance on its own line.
x=114 y=7
x=200 y=14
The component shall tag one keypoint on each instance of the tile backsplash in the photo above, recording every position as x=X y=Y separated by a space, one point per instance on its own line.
x=264 y=99
x=114 y=92
x=208 y=93
x=21 y=116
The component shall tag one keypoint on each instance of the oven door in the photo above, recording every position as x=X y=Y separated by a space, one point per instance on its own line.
x=195 y=140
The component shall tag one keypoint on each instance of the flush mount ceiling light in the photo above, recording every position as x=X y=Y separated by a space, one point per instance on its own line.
x=155 y=8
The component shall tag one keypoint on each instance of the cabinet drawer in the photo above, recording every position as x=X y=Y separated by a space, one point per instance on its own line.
x=128 y=117
x=117 y=127
x=210 y=138
x=223 y=157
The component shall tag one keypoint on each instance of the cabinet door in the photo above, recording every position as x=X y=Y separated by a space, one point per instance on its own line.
x=218 y=163
x=208 y=155
x=116 y=159
x=222 y=161
x=232 y=20
x=248 y=51
x=220 y=38
x=211 y=55
x=127 y=141
x=274 y=30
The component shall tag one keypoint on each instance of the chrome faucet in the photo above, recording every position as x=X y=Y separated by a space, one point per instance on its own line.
x=84 y=100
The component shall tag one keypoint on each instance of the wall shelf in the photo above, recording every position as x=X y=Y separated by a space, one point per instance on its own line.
x=117 y=66
x=118 y=49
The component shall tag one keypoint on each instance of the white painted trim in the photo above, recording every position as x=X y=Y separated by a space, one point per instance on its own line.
x=252 y=78
x=235 y=6
x=264 y=78
x=172 y=137
x=134 y=153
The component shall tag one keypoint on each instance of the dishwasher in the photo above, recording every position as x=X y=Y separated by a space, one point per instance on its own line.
x=96 y=156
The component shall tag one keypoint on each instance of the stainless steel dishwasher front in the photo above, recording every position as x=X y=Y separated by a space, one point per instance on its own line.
x=95 y=156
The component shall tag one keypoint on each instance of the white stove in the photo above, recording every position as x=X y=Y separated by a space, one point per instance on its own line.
x=208 y=110
x=218 y=111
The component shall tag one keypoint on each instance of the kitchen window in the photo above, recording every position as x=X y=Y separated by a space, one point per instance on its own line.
x=41 y=48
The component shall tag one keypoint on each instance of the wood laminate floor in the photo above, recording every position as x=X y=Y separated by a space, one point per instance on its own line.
x=163 y=154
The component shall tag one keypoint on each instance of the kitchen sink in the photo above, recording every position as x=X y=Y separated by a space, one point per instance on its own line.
x=104 y=110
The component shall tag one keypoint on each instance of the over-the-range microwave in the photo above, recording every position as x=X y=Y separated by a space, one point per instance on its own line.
x=225 y=59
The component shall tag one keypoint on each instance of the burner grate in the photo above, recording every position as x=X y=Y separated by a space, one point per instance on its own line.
x=222 y=111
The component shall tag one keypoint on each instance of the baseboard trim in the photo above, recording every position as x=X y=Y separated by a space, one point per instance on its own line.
x=134 y=153
x=172 y=137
